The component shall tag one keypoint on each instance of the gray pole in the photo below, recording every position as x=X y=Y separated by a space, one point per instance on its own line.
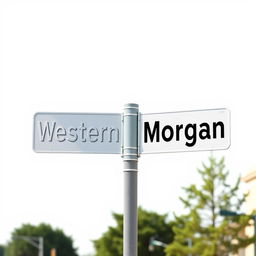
x=130 y=155
x=189 y=245
x=36 y=241
x=41 y=246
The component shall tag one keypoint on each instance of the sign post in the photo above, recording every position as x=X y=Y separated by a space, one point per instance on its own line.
x=131 y=134
x=130 y=159
x=35 y=241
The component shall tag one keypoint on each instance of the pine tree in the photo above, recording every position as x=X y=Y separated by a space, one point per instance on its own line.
x=202 y=231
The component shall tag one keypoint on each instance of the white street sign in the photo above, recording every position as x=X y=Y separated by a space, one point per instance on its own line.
x=185 y=131
x=146 y=133
x=77 y=133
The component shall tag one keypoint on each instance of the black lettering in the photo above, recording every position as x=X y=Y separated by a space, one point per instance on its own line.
x=205 y=131
x=167 y=138
x=215 y=125
x=148 y=132
x=192 y=136
x=178 y=128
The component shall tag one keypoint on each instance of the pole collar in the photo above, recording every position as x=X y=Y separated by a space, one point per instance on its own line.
x=130 y=149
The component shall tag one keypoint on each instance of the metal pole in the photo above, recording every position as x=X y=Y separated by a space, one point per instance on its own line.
x=41 y=247
x=189 y=245
x=35 y=241
x=130 y=155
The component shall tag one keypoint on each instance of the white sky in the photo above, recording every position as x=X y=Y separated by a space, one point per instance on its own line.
x=95 y=57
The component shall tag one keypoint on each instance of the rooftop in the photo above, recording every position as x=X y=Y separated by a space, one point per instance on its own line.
x=249 y=177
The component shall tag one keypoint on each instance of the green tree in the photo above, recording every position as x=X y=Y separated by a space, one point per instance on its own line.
x=53 y=238
x=202 y=231
x=2 y=249
x=150 y=224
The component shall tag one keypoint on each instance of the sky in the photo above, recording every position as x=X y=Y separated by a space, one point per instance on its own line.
x=85 y=56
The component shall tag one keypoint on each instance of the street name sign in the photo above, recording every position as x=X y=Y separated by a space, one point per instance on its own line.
x=159 y=133
x=77 y=133
x=131 y=134
x=185 y=131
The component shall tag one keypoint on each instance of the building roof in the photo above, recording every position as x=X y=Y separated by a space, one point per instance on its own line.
x=249 y=177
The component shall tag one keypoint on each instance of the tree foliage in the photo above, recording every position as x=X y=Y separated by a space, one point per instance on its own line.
x=53 y=238
x=202 y=231
x=150 y=224
x=2 y=249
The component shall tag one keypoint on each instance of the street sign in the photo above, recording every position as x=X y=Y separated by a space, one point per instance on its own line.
x=77 y=133
x=130 y=135
x=185 y=131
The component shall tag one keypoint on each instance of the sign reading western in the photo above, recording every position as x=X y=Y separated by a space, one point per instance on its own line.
x=185 y=131
x=77 y=133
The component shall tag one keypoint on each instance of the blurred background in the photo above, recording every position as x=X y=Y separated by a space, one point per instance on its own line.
x=95 y=56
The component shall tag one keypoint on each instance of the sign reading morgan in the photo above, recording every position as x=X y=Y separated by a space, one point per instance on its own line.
x=185 y=131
